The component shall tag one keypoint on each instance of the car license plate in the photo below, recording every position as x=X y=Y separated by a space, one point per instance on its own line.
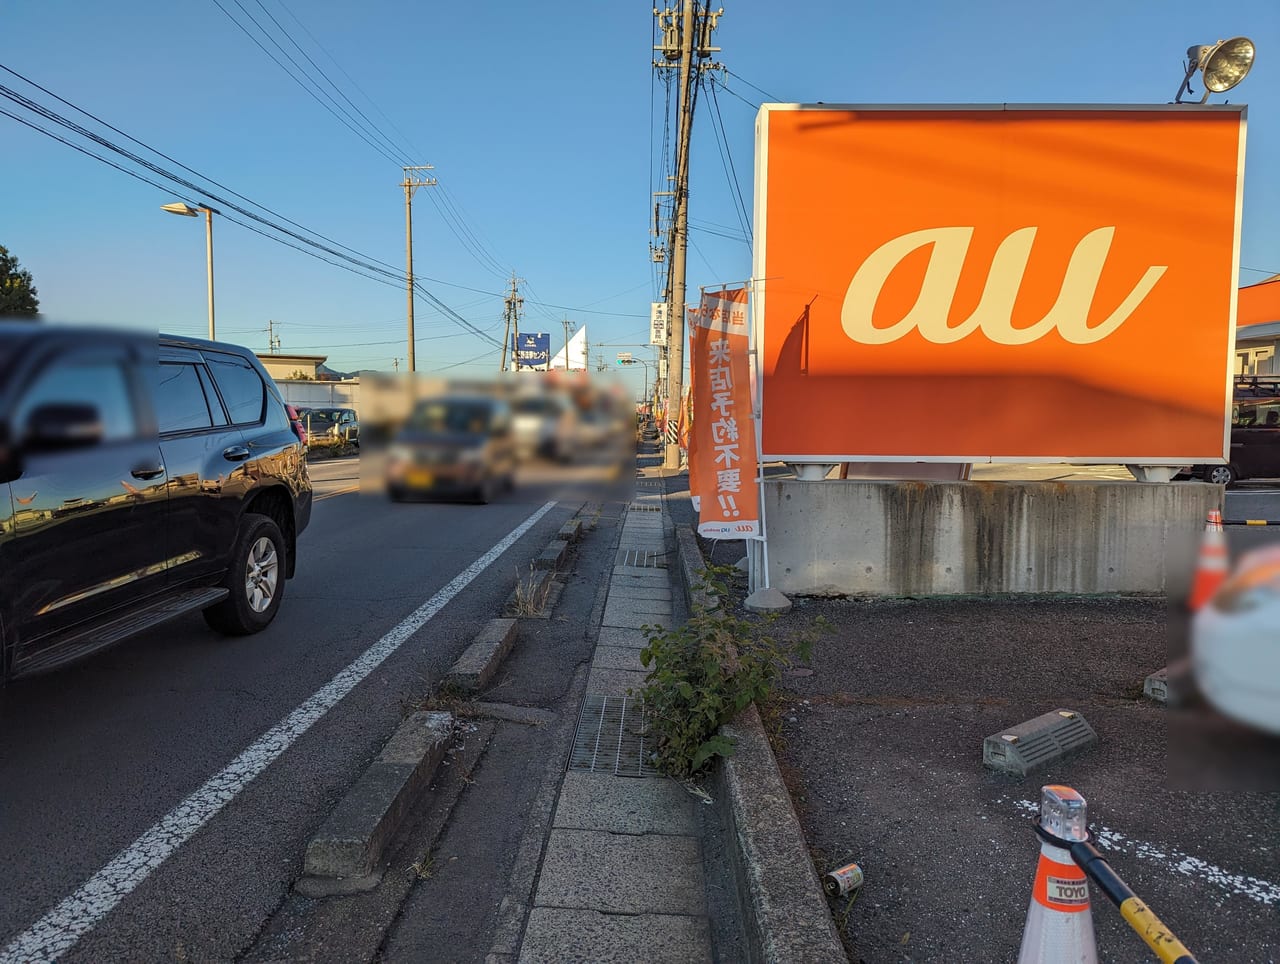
x=419 y=478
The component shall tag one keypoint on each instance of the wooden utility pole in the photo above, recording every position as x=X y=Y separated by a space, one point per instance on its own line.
x=412 y=181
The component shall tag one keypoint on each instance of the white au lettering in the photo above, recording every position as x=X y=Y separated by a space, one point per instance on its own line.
x=994 y=314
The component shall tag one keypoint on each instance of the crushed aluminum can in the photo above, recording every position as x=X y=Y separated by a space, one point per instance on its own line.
x=843 y=881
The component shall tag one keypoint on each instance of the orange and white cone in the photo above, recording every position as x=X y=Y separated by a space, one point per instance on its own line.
x=1059 y=927
x=1211 y=565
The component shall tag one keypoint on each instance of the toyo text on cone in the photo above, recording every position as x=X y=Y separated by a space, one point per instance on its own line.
x=1211 y=564
x=1059 y=927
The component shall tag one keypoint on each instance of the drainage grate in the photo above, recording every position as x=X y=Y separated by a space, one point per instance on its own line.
x=642 y=559
x=645 y=507
x=649 y=484
x=610 y=737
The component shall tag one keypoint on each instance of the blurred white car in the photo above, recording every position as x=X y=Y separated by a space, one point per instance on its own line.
x=544 y=425
x=1235 y=643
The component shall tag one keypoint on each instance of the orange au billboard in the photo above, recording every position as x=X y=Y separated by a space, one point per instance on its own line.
x=997 y=283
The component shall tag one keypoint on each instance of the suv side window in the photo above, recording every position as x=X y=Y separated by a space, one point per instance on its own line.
x=242 y=390
x=181 y=405
x=99 y=382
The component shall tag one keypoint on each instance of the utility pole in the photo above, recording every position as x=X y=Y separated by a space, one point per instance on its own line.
x=412 y=181
x=693 y=32
x=511 y=335
x=273 y=340
x=395 y=364
x=568 y=329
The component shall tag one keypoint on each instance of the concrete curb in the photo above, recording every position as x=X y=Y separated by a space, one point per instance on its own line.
x=552 y=557
x=475 y=667
x=691 y=563
x=345 y=854
x=571 y=531
x=782 y=904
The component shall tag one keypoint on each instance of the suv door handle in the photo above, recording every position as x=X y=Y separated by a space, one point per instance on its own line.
x=236 y=453
x=146 y=472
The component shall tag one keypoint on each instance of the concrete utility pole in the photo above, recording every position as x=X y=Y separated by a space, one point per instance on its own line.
x=694 y=35
x=511 y=336
x=412 y=181
x=273 y=340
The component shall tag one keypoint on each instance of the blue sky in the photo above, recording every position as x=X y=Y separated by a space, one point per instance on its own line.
x=544 y=123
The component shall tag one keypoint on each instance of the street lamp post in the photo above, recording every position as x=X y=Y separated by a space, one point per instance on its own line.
x=190 y=212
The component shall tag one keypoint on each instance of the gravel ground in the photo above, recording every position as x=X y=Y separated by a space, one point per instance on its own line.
x=880 y=739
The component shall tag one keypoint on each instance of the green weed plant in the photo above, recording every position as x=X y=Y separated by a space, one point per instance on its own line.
x=702 y=674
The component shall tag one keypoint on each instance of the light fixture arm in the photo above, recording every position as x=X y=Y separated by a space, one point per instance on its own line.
x=1192 y=66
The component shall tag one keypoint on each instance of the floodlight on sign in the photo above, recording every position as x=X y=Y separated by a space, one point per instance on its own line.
x=1223 y=65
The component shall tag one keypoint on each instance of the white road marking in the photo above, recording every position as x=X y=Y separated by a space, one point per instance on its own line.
x=59 y=930
x=1263 y=891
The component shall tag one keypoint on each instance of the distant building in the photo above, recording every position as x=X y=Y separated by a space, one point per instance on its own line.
x=1258 y=328
x=284 y=367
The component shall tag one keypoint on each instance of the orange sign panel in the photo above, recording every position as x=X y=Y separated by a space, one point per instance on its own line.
x=1000 y=283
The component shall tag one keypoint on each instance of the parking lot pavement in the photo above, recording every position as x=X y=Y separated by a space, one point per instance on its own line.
x=882 y=746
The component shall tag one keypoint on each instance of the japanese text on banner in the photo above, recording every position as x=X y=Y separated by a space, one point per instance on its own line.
x=724 y=433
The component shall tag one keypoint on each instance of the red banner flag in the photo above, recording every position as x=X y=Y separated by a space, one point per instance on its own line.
x=724 y=435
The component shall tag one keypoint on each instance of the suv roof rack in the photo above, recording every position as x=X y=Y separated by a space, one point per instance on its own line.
x=1260 y=385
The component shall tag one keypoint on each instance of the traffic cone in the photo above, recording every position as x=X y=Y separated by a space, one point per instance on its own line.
x=1059 y=927
x=1211 y=565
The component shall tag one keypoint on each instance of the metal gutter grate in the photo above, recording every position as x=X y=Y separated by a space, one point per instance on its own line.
x=610 y=737
x=642 y=559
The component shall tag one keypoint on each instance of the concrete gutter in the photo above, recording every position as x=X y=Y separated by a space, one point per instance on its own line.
x=346 y=854
x=782 y=903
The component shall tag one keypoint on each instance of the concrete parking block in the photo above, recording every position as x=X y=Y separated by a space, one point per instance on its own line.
x=649 y=874
x=614 y=682
x=618 y=657
x=555 y=935
x=602 y=801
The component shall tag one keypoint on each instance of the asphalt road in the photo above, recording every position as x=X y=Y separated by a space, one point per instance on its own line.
x=93 y=757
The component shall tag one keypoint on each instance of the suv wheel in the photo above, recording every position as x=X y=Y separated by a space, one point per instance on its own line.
x=255 y=578
x=1220 y=474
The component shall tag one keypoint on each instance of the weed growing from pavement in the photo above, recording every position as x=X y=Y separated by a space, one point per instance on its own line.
x=530 y=597
x=702 y=674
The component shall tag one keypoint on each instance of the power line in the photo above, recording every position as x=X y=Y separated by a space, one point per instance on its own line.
x=726 y=161
x=368 y=123
x=413 y=151
x=171 y=160
x=310 y=91
x=752 y=86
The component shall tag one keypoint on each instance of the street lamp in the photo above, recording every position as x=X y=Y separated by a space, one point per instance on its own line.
x=190 y=212
x=1223 y=65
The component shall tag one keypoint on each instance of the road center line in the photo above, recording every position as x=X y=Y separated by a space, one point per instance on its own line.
x=59 y=930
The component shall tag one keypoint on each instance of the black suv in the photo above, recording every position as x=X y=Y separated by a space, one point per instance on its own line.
x=140 y=479
x=1255 y=433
